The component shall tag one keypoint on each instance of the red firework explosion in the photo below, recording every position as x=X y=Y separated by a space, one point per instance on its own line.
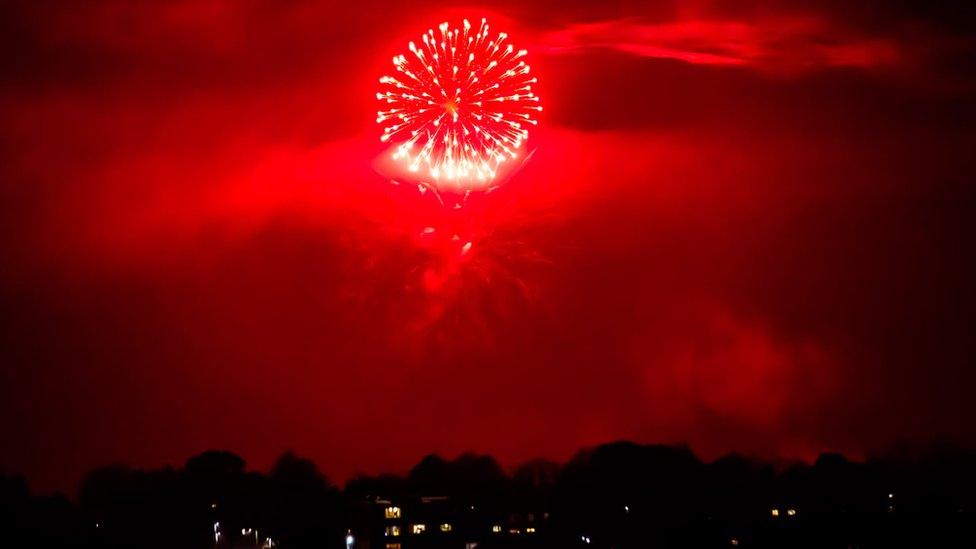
x=459 y=105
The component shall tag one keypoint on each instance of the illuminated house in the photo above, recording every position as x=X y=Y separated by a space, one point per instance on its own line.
x=439 y=522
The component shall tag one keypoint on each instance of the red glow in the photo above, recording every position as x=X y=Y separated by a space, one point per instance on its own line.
x=205 y=245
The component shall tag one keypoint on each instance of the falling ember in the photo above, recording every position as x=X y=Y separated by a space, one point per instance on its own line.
x=459 y=105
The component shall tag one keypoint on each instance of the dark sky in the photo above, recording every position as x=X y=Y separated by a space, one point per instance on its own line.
x=746 y=226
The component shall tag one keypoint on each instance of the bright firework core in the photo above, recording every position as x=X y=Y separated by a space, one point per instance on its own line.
x=459 y=105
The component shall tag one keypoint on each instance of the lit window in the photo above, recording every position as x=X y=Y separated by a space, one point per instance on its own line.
x=774 y=512
x=393 y=531
x=734 y=542
x=496 y=528
x=791 y=512
x=392 y=546
x=445 y=527
x=392 y=512
x=471 y=545
x=530 y=530
x=418 y=528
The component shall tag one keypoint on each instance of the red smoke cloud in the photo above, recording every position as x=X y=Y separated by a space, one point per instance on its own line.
x=199 y=251
x=792 y=44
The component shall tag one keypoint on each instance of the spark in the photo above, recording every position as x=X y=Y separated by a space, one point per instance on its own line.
x=459 y=105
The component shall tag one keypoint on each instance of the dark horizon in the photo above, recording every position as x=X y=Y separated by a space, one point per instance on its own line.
x=619 y=494
x=905 y=455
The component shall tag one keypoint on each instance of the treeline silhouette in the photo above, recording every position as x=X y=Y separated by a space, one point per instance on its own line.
x=618 y=495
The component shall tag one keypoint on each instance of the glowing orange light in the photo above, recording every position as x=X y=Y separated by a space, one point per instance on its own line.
x=459 y=105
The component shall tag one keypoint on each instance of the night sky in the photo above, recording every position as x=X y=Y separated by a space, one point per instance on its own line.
x=746 y=226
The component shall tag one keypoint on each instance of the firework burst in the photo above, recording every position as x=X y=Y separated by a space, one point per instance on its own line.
x=459 y=105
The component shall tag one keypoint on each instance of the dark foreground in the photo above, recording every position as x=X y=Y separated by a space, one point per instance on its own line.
x=620 y=495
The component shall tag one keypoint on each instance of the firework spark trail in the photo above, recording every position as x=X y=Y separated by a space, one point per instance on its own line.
x=460 y=105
